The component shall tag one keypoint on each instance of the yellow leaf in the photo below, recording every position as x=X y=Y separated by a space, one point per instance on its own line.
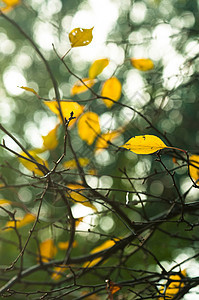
x=79 y=87
x=194 y=171
x=144 y=144
x=88 y=127
x=64 y=245
x=58 y=271
x=47 y=250
x=76 y=195
x=50 y=140
x=67 y=107
x=32 y=166
x=97 y=67
x=112 y=89
x=80 y=37
x=174 y=286
x=11 y=2
x=71 y=164
x=142 y=64
x=103 y=139
x=4 y=201
x=106 y=245
x=27 y=219
x=29 y=90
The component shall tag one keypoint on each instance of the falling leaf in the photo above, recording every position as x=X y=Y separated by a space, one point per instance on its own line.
x=67 y=107
x=106 y=245
x=71 y=164
x=97 y=67
x=194 y=171
x=50 y=140
x=64 y=245
x=27 y=219
x=169 y=291
x=29 y=90
x=76 y=195
x=30 y=165
x=80 y=87
x=58 y=271
x=142 y=64
x=47 y=251
x=144 y=144
x=112 y=89
x=103 y=139
x=80 y=37
x=88 y=127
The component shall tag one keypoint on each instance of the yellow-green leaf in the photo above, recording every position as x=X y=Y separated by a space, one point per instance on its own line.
x=112 y=89
x=50 y=140
x=76 y=195
x=144 y=144
x=27 y=219
x=30 y=165
x=29 y=90
x=71 y=164
x=142 y=64
x=79 y=87
x=80 y=37
x=194 y=171
x=103 y=139
x=47 y=251
x=67 y=107
x=174 y=286
x=97 y=67
x=88 y=127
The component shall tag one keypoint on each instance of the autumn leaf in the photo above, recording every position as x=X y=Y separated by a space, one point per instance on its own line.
x=174 y=286
x=58 y=271
x=144 y=144
x=97 y=67
x=112 y=89
x=10 y=4
x=194 y=171
x=4 y=201
x=64 y=245
x=76 y=196
x=47 y=251
x=88 y=127
x=142 y=64
x=30 y=165
x=79 y=87
x=29 y=90
x=71 y=164
x=67 y=107
x=112 y=288
x=103 y=139
x=80 y=37
x=50 y=140
x=27 y=219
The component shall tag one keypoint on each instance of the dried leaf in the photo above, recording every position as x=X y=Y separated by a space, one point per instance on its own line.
x=71 y=164
x=47 y=251
x=79 y=87
x=144 y=144
x=64 y=245
x=142 y=64
x=173 y=287
x=103 y=139
x=112 y=89
x=27 y=219
x=80 y=37
x=76 y=195
x=30 y=165
x=50 y=140
x=29 y=90
x=88 y=127
x=111 y=287
x=97 y=67
x=67 y=107
x=194 y=171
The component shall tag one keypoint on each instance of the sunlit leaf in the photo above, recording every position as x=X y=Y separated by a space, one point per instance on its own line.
x=10 y=4
x=27 y=219
x=47 y=251
x=103 y=139
x=50 y=140
x=144 y=144
x=170 y=291
x=80 y=37
x=79 y=87
x=106 y=245
x=112 y=89
x=142 y=64
x=88 y=127
x=194 y=171
x=67 y=107
x=4 y=201
x=77 y=196
x=97 y=67
x=71 y=164
x=29 y=90
x=58 y=271
x=64 y=245
x=30 y=165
